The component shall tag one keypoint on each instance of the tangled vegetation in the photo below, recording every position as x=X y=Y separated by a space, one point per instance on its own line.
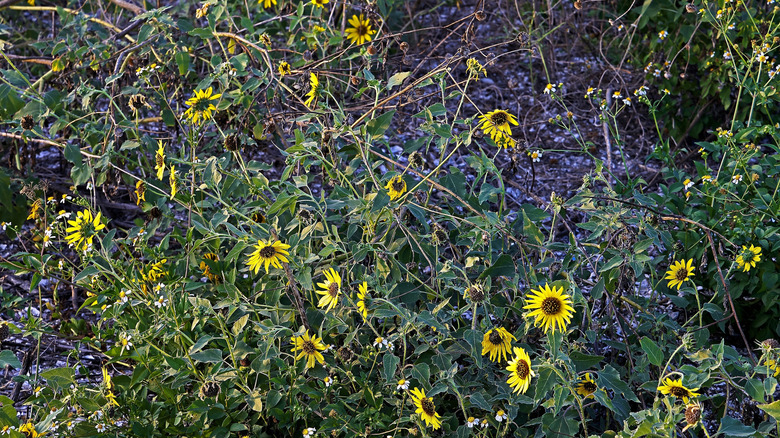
x=324 y=218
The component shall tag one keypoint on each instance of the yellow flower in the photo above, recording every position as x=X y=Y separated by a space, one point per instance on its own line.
x=155 y=271
x=284 y=68
x=309 y=348
x=83 y=229
x=361 y=302
x=202 y=11
x=35 y=210
x=140 y=192
x=266 y=3
x=331 y=289
x=173 y=182
x=496 y=124
x=679 y=272
x=551 y=308
x=475 y=68
x=426 y=408
x=361 y=31
x=319 y=3
x=772 y=365
x=749 y=257
x=204 y=267
x=200 y=106
x=159 y=160
x=28 y=429
x=520 y=371
x=109 y=388
x=270 y=252
x=676 y=389
x=396 y=187
x=314 y=90
x=497 y=342
x=586 y=386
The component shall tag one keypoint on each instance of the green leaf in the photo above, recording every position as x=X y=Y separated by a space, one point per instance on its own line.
x=732 y=427
x=474 y=338
x=239 y=324
x=73 y=154
x=478 y=400
x=547 y=379
x=654 y=353
x=772 y=409
x=389 y=366
x=609 y=378
x=755 y=388
x=8 y=358
x=531 y=230
x=503 y=267
x=397 y=79
x=60 y=378
x=183 y=61
x=213 y=355
x=422 y=373
x=584 y=361
x=255 y=401
x=377 y=127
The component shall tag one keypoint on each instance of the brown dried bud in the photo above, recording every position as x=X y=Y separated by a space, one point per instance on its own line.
x=232 y=142
x=355 y=81
x=690 y=8
x=244 y=362
x=475 y=293
x=770 y=343
x=692 y=414
x=27 y=122
x=416 y=159
x=307 y=55
x=371 y=50
x=578 y=5
x=136 y=102
x=404 y=46
x=480 y=15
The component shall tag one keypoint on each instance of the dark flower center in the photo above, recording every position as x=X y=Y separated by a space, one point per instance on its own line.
x=551 y=306
x=308 y=347
x=692 y=414
x=427 y=406
x=159 y=160
x=440 y=235
x=681 y=274
x=679 y=392
x=589 y=386
x=399 y=185
x=499 y=118
x=476 y=294
x=333 y=289
x=523 y=369
x=267 y=252
x=495 y=338
x=362 y=30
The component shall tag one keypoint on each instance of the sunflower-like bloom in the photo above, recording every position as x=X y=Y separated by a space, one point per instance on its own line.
x=155 y=271
x=314 y=90
x=497 y=342
x=159 y=160
x=35 y=210
x=28 y=429
x=270 y=252
x=331 y=289
x=266 y=3
x=496 y=124
x=319 y=3
x=140 y=192
x=309 y=347
x=749 y=257
x=284 y=68
x=586 y=386
x=692 y=415
x=520 y=371
x=679 y=272
x=83 y=229
x=396 y=187
x=204 y=267
x=425 y=408
x=361 y=301
x=361 y=31
x=772 y=367
x=550 y=308
x=677 y=389
x=200 y=105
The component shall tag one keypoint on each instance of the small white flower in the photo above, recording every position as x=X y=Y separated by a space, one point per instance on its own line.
x=627 y=101
x=731 y=26
x=124 y=296
x=500 y=415
x=380 y=342
x=100 y=427
x=403 y=384
x=535 y=156
x=736 y=179
x=89 y=185
x=641 y=91
x=657 y=73
x=484 y=423
x=328 y=381
x=3 y=225
x=309 y=432
x=688 y=184
x=472 y=422
x=726 y=56
x=160 y=302
x=616 y=95
x=550 y=88
x=37 y=391
x=662 y=35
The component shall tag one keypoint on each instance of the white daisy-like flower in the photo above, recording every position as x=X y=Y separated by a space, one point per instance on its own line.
x=471 y=422
x=550 y=88
x=403 y=384
x=616 y=95
x=500 y=415
x=100 y=427
x=309 y=432
x=736 y=179
x=160 y=302
x=627 y=101
x=380 y=342
x=662 y=35
x=328 y=381
x=536 y=156
x=688 y=184
x=484 y=423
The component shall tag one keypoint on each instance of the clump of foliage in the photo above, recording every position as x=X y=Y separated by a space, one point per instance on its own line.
x=273 y=236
